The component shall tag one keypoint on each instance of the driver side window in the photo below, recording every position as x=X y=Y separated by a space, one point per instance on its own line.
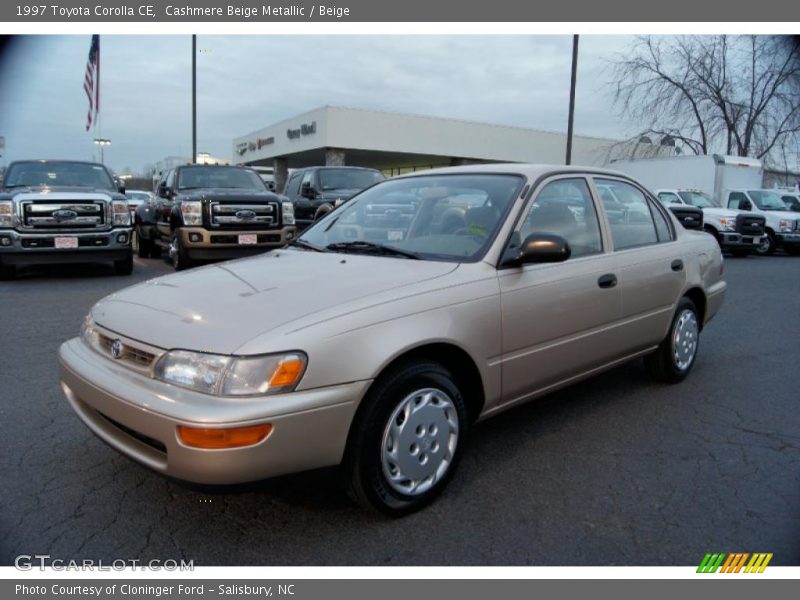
x=565 y=207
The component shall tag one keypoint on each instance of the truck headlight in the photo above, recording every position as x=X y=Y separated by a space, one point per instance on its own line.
x=222 y=375
x=6 y=213
x=121 y=214
x=728 y=223
x=785 y=224
x=192 y=211
x=288 y=213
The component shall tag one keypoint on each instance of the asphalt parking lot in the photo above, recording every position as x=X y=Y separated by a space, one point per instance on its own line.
x=616 y=470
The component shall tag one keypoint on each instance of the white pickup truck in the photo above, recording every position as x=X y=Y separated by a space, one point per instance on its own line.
x=737 y=232
x=782 y=225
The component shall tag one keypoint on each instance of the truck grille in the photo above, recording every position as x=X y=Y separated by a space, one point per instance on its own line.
x=690 y=218
x=51 y=214
x=750 y=224
x=243 y=216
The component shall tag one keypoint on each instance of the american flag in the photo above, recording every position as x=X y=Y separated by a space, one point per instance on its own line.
x=91 y=82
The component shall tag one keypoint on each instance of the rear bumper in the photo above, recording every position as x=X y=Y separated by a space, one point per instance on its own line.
x=138 y=416
x=21 y=249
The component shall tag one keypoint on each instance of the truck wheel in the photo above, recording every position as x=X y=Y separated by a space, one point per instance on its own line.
x=8 y=272
x=768 y=245
x=124 y=266
x=792 y=250
x=406 y=440
x=178 y=254
x=674 y=358
x=155 y=250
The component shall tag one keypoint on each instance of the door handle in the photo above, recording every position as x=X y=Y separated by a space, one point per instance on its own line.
x=608 y=280
x=677 y=265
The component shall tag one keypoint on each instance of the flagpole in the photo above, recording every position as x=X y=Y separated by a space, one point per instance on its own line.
x=194 y=98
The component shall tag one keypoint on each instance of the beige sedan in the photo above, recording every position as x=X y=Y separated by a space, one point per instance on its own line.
x=374 y=342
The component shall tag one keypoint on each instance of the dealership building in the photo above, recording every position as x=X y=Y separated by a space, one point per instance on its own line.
x=398 y=143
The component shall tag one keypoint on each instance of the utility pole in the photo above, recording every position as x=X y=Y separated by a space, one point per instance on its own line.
x=572 y=98
x=194 y=97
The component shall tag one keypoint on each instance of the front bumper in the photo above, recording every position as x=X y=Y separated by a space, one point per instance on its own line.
x=200 y=243
x=23 y=248
x=737 y=240
x=788 y=239
x=138 y=416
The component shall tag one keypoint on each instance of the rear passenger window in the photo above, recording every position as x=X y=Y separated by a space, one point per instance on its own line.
x=629 y=214
x=662 y=227
x=565 y=207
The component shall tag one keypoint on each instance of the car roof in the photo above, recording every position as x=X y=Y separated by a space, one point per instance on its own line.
x=531 y=171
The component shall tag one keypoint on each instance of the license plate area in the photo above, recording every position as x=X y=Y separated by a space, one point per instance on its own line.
x=248 y=239
x=66 y=242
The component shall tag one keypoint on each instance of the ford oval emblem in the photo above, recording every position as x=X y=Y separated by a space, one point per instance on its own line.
x=245 y=215
x=116 y=349
x=64 y=215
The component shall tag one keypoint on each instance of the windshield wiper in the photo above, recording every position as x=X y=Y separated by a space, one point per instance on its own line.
x=362 y=246
x=304 y=244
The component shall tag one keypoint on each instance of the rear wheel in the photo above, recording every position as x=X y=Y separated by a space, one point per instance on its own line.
x=676 y=354
x=124 y=266
x=144 y=247
x=406 y=441
x=768 y=245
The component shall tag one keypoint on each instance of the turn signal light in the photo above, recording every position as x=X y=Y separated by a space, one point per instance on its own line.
x=287 y=373
x=215 y=439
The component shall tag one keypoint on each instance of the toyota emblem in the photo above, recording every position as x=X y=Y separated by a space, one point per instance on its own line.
x=116 y=349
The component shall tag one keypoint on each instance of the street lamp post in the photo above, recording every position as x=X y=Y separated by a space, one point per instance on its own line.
x=102 y=142
x=571 y=117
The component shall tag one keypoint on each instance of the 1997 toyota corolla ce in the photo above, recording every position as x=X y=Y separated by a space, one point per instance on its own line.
x=423 y=304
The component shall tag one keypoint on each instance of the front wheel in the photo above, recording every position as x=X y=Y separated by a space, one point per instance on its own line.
x=676 y=354
x=768 y=245
x=180 y=258
x=407 y=439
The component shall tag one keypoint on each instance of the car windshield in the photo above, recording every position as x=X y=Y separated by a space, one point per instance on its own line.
x=698 y=199
x=348 y=179
x=767 y=200
x=433 y=217
x=219 y=177
x=53 y=173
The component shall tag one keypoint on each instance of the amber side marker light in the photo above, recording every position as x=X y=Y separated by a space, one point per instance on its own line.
x=215 y=439
x=287 y=373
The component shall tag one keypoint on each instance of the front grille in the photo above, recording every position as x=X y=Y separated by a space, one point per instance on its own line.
x=50 y=214
x=243 y=216
x=750 y=224
x=145 y=439
x=690 y=218
x=129 y=353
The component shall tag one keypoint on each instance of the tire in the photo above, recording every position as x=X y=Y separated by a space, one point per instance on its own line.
x=792 y=250
x=144 y=248
x=768 y=246
x=406 y=440
x=124 y=266
x=713 y=233
x=677 y=353
x=155 y=250
x=8 y=272
x=178 y=254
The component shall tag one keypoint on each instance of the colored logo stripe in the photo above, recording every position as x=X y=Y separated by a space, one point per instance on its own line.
x=734 y=562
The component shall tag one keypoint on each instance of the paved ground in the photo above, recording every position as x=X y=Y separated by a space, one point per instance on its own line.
x=617 y=470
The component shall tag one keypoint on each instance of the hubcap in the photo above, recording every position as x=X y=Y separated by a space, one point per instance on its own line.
x=684 y=339
x=763 y=246
x=419 y=441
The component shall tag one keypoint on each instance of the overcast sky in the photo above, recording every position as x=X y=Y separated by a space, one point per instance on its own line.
x=248 y=82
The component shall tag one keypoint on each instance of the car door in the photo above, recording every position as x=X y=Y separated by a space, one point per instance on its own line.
x=651 y=266
x=558 y=319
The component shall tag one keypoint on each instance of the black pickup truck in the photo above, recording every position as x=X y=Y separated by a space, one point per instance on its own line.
x=315 y=191
x=62 y=211
x=212 y=212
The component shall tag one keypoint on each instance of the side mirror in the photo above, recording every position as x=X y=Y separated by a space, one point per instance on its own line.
x=165 y=192
x=307 y=191
x=537 y=248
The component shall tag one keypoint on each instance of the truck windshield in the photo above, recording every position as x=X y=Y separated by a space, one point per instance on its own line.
x=348 y=179
x=698 y=199
x=54 y=173
x=441 y=217
x=219 y=177
x=767 y=200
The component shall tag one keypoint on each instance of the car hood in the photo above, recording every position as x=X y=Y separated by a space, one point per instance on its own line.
x=56 y=189
x=721 y=212
x=220 y=307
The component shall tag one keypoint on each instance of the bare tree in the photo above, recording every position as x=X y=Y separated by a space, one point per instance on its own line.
x=734 y=94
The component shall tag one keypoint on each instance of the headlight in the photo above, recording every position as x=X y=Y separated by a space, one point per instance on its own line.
x=88 y=332
x=192 y=211
x=728 y=223
x=288 y=213
x=785 y=225
x=120 y=213
x=232 y=375
x=6 y=213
